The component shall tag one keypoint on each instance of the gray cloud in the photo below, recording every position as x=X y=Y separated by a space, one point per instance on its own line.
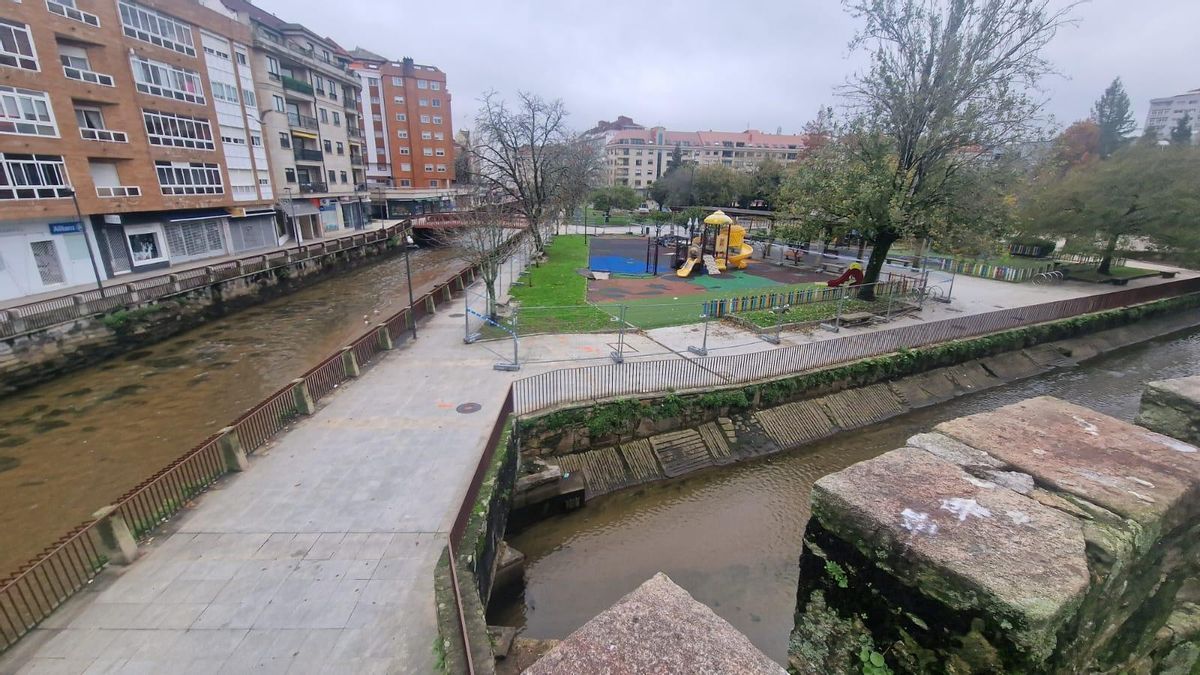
x=719 y=64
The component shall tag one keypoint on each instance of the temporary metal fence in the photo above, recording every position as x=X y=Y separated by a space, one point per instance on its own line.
x=45 y=313
x=37 y=588
x=558 y=387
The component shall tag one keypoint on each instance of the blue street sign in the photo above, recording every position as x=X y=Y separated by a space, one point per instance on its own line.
x=72 y=227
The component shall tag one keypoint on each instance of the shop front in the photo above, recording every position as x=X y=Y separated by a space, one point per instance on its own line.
x=38 y=256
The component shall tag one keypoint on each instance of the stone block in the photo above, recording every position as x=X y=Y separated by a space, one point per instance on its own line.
x=113 y=537
x=1172 y=407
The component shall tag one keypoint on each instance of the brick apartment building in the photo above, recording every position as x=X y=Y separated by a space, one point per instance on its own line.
x=145 y=112
x=637 y=156
x=408 y=133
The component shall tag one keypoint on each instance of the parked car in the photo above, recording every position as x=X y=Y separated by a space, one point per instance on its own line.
x=672 y=240
x=643 y=210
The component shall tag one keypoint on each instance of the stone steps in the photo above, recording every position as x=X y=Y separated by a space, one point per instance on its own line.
x=642 y=463
x=680 y=452
x=603 y=470
x=795 y=424
x=860 y=407
x=714 y=439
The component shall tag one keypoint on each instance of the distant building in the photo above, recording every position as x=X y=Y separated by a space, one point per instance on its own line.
x=637 y=156
x=1165 y=113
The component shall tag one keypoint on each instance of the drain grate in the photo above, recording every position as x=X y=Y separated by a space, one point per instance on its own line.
x=468 y=408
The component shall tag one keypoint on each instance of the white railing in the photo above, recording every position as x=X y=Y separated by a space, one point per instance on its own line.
x=107 y=135
x=118 y=191
x=72 y=13
x=88 y=76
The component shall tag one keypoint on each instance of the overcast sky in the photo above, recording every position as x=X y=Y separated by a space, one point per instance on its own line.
x=719 y=64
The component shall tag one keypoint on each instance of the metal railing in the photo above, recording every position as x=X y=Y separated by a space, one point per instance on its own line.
x=308 y=154
x=551 y=389
x=36 y=316
x=313 y=186
x=296 y=85
x=35 y=590
x=301 y=121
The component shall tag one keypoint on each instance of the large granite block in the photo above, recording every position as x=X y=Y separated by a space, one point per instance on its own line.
x=1172 y=407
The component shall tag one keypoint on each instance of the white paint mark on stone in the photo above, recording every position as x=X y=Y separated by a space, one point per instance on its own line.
x=964 y=508
x=1139 y=481
x=979 y=483
x=1038 y=451
x=1148 y=500
x=915 y=521
x=1018 y=517
x=1088 y=427
x=1178 y=446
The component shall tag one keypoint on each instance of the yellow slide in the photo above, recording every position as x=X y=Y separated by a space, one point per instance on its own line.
x=739 y=261
x=686 y=268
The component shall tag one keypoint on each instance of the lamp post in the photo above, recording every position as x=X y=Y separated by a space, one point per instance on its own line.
x=295 y=223
x=86 y=240
x=408 y=245
x=702 y=350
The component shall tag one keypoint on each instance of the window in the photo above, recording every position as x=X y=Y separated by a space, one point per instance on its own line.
x=405 y=166
x=337 y=119
x=278 y=101
x=251 y=101
x=441 y=168
x=401 y=117
x=439 y=136
x=404 y=150
x=319 y=85
x=148 y=25
x=436 y=86
x=162 y=79
x=423 y=102
x=436 y=103
x=145 y=244
x=189 y=178
x=397 y=81
x=428 y=152
x=398 y=100
x=241 y=58
x=427 y=135
x=402 y=133
x=332 y=176
x=232 y=136
x=49 y=267
x=67 y=8
x=424 y=119
x=224 y=92
x=433 y=183
x=404 y=182
x=289 y=174
x=328 y=146
x=437 y=119
x=428 y=168
x=285 y=139
x=343 y=176
x=33 y=177
x=89 y=117
x=341 y=148
x=440 y=152
x=273 y=68
x=177 y=131
x=422 y=84
x=214 y=52
x=77 y=67
x=332 y=89
x=26 y=112
x=16 y=46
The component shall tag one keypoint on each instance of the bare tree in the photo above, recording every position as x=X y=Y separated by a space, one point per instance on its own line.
x=520 y=154
x=483 y=241
x=582 y=172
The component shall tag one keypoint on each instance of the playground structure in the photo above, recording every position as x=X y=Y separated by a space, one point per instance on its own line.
x=853 y=276
x=717 y=243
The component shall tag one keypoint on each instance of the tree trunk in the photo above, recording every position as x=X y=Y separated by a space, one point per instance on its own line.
x=1109 y=250
x=862 y=244
x=883 y=243
x=535 y=230
x=490 y=285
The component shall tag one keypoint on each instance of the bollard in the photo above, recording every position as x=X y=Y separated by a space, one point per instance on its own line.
x=350 y=362
x=430 y=304
x=132 y=293
x=230 y=445
x=303 y=398
x=15 y=320
x=113 y=536
x=174 y=280
x=385 y=338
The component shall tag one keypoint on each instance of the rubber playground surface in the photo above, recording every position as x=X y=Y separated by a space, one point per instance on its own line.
x=626 y=255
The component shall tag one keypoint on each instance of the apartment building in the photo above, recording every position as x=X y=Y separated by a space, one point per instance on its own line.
x=310 y=113
x=128 y=129
x=1165 y=113
x=408 y=134
x=637 y=156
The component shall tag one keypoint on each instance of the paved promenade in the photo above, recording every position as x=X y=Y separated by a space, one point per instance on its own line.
x=319 y=558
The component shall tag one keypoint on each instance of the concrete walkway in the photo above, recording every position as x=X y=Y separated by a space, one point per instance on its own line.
x=319 y=558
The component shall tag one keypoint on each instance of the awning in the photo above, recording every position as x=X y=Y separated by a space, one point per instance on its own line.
x=301 y=208
x=305 y=134
x=238 y=212
x=197 y=214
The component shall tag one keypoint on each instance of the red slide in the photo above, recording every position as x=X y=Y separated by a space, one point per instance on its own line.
x=853 y=275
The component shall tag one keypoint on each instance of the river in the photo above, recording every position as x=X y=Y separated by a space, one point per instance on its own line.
x=77 y=443
x=731 y=536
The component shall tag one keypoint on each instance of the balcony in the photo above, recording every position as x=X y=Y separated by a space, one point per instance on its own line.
x=356 y=161
x=306 y=155
x=105 y=135
x=72 y=13
x=302 y=121
x=353 y=103
x=296 y=85
x=354 y=132
x=118 y=191
x=87 y=76
x=308 y=188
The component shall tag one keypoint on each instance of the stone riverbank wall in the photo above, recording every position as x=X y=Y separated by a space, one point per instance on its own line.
x=1041 y=537
x=625 y=443
x=97 y=329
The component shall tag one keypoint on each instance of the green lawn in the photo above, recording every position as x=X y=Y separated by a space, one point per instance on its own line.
x=595 y=217
x=1089 y=273
x=661 y=312
x=818 y=311
x=554 y=298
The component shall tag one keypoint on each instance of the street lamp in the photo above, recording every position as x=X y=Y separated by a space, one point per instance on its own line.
x=86 y=240
x=408 y=246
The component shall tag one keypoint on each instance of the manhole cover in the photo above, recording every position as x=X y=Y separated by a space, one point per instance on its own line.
x=467 y=408
x=457 y=316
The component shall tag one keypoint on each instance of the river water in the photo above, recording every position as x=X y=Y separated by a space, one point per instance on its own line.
x=75 y=444
x=731 y=536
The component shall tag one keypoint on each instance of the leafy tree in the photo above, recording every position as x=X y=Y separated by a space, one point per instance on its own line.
x=675 y=188
x=765 y=183
x=1140 y=191
x=947 y=85
x=615 y=197
x=1079 y=144
x=1181 y=133
x=1114 y=114
x=820 y=129
x=719 y=185
x=676 y=160
x=1149 y=136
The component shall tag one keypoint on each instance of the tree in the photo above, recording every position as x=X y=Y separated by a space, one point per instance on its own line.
x=1181 y=133
x=1149 y=136
x=1077 y=145
x=676 y=188
x=765 y=182
x=1114 y=114
x=615 y=197
x=482 y=241
x=676 y=160
x=947 y=85
x=1140 y=191
x=521 y=154
x=719 y=185
x=582 y=170
x=819 y=130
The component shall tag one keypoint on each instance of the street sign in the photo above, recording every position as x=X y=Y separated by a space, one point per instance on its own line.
x=72 y=227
